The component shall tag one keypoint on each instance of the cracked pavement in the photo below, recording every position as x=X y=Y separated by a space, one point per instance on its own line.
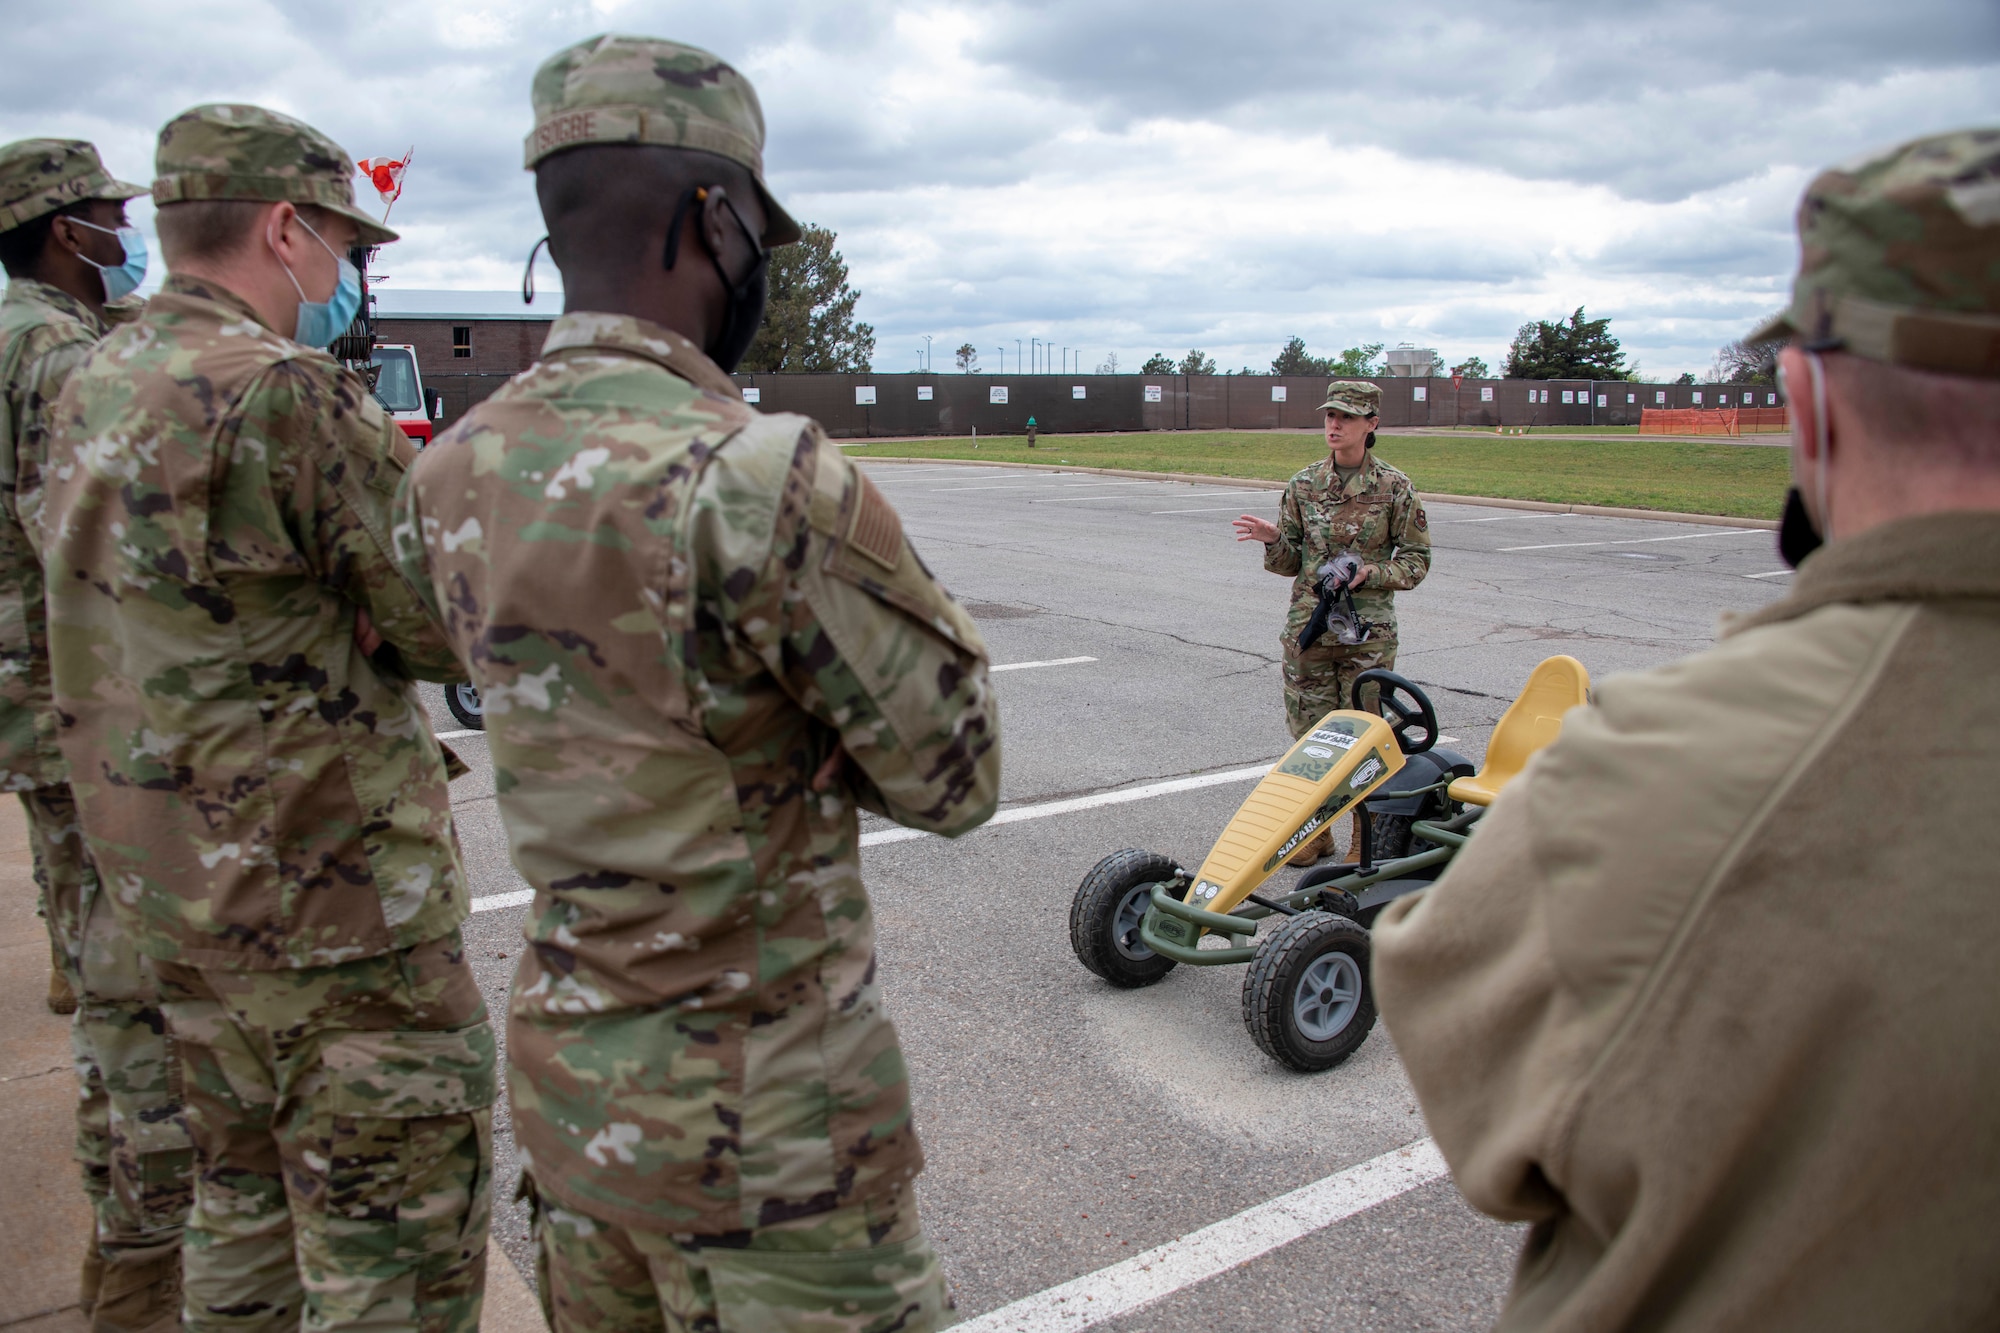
x=1043 y=1095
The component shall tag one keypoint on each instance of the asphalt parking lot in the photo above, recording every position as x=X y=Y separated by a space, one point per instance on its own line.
x=1071 y=1127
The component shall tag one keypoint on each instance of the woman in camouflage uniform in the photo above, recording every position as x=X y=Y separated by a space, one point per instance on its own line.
x=1348 y=501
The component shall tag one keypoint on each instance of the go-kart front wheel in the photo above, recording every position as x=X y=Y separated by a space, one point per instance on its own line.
x=1105 y=915
x=1306 y=998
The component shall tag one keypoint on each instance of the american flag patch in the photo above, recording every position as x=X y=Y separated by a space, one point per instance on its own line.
x=876 y=532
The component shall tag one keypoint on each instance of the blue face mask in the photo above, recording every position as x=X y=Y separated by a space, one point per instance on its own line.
x=320 y=322
x=121 y=279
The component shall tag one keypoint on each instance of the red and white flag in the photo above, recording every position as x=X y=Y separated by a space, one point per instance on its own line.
x=386 y=174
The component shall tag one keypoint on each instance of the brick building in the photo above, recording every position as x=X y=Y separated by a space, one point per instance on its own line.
x=468 y=343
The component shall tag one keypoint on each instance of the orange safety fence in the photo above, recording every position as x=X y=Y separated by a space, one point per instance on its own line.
x=1713 y=421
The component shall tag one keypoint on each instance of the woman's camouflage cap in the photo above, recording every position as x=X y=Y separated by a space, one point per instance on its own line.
x=1900 y=257
x=39 y=176
x=1357 y=398
x=616 y=89
x=232 y=151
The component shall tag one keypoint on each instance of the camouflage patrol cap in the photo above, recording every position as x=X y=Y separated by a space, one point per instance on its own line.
x=1900 y=257
x=232 y=151
x=1357 y=398
x=39 y=176
x=616 y=89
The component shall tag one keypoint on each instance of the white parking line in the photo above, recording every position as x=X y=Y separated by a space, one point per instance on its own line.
x=1025 y=485
x=1640 y=541
x=1053 y=661
x=460 y=735
x=1206 y=509
x=1099 y=1297
x=1774 y=574
x=1075 y=803
x=1499 y=518
x=1072 y=499
x=1196 y=495
x=495 y=901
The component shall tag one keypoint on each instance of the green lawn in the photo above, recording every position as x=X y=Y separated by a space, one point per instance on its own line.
x=1734 y=480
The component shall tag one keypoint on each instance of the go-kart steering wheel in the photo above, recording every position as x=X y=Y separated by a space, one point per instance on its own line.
x=1399 y=715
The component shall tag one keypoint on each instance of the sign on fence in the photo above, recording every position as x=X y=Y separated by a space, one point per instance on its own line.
x=1277 y=393
x=753 y=394
x=1076 y=391
x=1152 y=393
x=864 y=395
x=997 y=394
x=923 y=393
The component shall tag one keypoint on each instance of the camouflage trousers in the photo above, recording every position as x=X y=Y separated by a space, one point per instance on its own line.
x=343 y=1134
x=131 y=1137
x=64 y=875
x=863 y=1268
x=1321 y=679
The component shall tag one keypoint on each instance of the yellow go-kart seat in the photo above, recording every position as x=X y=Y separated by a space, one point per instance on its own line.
x=1533 y=720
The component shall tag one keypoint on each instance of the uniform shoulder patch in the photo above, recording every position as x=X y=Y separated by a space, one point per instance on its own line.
x=875 y=530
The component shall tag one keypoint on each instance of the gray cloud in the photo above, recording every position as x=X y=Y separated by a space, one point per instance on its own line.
x=1129 y=176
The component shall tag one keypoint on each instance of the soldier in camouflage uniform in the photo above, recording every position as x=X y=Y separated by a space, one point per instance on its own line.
x=231 y=645
x=60 y=215
x=703 y=645
x=1348 y=501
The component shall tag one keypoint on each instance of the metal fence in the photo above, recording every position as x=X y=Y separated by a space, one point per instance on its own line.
x=850 y=406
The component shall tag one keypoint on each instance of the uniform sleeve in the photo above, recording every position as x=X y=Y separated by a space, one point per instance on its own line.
x=1283 y=555
x=34 y=411
x=858 y=631
x=345 y=459
x=1410 y=542
x=1467 y=983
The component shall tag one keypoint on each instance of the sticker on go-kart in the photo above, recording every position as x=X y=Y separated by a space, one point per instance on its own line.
x=1367 y=773
x=1292 y=843
x=1321 y=817
x=1314 y=756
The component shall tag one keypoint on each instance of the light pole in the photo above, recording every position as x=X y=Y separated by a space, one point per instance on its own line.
x=927 y=353
x=1017 y=356
x=1034 y=356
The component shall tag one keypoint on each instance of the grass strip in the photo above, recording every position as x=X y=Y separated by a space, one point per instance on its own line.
x=1731 y=480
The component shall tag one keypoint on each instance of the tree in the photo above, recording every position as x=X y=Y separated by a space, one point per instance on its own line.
x=1109 y=365
x=1687 y=377
x=968 y=358
x=1746 y=363
x=1159 y=363
x=1575 y=349
x=1358 y=362
x=1195 y=363
x=1472 y=368
x=1294 y=359
x=809 y=315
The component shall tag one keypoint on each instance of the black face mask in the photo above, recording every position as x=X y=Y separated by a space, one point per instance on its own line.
x=745 y=311
x=1797 y=537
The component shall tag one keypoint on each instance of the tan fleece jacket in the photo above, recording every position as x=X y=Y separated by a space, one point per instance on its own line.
x=1713 y=996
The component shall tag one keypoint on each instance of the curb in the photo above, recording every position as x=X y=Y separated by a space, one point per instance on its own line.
x=1429 y=497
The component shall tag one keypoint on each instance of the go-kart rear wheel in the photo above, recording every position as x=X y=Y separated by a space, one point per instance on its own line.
x=463 y=701
x=1104 y=918
x=1306 y=997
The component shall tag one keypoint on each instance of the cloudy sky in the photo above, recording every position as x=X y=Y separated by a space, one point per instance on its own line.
x=1113 y=176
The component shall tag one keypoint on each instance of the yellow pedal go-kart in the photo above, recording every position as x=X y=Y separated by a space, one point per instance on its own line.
x=1306 y=996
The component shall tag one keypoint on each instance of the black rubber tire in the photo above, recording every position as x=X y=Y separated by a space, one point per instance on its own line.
x=1391 y=836
x=1270 y=989
x=463 y=701
x=1093 y=917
